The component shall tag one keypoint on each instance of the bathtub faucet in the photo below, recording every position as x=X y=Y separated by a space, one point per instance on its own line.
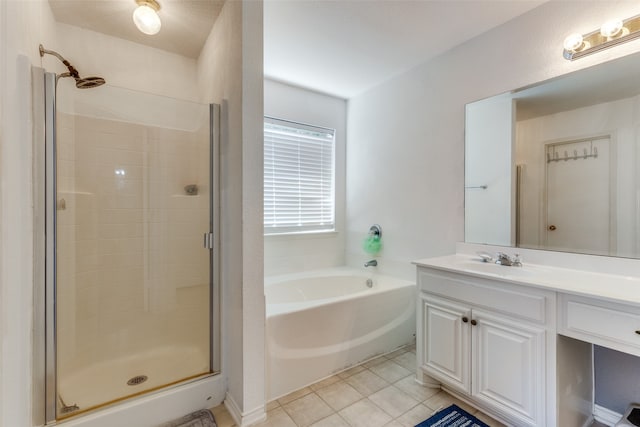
x=372 y=263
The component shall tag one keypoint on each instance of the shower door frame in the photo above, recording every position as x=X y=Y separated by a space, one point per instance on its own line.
x=51 y=395
x=49 y=318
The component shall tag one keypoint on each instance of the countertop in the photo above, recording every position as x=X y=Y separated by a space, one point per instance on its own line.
x=616 y=288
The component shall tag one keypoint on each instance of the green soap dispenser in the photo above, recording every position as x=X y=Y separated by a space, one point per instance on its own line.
x=372 y=244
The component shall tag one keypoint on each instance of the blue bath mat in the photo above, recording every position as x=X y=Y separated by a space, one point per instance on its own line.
x=453 y=416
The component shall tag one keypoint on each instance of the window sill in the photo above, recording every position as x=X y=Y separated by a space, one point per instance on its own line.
x=301 y=235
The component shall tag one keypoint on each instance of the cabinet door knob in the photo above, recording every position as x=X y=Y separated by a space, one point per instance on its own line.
x=474 y=322
x=465 y=319
x=552 y=227
x=638 y=332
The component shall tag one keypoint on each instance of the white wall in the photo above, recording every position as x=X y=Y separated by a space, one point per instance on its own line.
x=123 y=63
x=230 y=73
x=291 y=253
x=22 y=26
x=253 y=302
x=405 y=153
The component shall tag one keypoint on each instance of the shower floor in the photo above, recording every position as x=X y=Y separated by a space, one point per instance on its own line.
x=105 y=382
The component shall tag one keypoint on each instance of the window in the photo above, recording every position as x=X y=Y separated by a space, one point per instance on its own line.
x=298 y=177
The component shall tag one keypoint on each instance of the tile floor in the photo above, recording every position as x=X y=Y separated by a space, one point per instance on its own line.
x=380 y=392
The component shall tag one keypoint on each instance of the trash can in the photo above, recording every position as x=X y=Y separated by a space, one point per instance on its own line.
x=631 y=417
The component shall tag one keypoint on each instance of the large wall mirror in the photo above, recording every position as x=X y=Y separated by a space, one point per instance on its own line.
x=556 y=165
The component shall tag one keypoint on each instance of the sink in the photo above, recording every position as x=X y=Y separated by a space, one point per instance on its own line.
x=478 y=266
x=617 y=287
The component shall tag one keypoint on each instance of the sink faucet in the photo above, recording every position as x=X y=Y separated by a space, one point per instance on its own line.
x=372 y=263
x=504 y=259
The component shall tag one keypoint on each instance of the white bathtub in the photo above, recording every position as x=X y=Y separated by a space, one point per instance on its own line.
x=323 y=322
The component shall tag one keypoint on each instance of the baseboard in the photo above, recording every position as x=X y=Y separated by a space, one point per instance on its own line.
x=242 y=420
x=605 y=416
x=233 y=409
x=254 y=416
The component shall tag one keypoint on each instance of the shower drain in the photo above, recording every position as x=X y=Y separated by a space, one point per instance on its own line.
x=137 y=380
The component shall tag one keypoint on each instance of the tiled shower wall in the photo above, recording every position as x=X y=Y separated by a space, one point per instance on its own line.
x=132 y=271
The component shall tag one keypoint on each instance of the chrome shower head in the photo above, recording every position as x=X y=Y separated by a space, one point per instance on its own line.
x=81 y=83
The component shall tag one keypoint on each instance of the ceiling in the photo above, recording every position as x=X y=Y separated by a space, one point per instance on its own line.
x=345 y=47
x=338 y=47
x=186 y=24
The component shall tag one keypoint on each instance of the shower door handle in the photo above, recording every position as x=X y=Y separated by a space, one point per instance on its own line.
x=208 y=240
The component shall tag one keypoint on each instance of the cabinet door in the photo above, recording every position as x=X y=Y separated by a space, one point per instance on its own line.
x=445 y=347
x=508 y=367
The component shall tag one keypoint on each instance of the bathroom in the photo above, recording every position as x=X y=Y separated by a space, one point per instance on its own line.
x=408 y=177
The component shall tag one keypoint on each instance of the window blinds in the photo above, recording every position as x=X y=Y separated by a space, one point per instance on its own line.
x=298 y=177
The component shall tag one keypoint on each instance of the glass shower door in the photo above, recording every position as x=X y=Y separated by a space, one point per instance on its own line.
x=133 y=287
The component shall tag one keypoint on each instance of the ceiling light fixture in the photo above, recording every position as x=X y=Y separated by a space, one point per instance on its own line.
x=611 y=33
x=146 y=16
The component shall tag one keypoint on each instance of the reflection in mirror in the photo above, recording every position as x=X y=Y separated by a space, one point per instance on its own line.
x=555 y=166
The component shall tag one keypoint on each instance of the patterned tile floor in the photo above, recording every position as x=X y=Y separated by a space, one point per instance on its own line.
x=380 y=392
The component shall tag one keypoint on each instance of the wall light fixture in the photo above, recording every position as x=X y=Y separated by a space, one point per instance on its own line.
x=611 y=33
x=146 y=16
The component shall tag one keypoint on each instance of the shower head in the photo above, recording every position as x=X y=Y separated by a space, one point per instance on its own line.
x=81 y=82
x=89 y=82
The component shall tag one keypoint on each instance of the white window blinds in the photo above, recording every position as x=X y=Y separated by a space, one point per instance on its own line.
x=298 y=177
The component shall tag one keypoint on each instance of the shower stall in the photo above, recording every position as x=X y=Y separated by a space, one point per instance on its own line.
x=130 y=299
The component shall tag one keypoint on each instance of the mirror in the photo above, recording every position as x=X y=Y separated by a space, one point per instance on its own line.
x=555 y=166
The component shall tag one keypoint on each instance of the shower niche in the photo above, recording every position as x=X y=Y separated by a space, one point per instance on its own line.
x=131 y=296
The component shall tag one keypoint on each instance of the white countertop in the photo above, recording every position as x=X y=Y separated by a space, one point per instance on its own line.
x=618 y=288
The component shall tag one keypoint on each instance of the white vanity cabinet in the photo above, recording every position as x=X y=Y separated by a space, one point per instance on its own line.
x=445 y=342
x=609 y=324
x=490 y=341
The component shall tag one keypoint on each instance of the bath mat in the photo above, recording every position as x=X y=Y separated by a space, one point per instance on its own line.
x=453 y=416
x=203 y=418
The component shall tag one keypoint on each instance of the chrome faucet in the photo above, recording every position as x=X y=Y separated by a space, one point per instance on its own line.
x=504 y=259
x=372 y=263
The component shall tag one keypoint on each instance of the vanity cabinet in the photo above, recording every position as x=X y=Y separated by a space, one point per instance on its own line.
x=508 y=366
x=609 y=324
x=489 y=341
x=446 y=349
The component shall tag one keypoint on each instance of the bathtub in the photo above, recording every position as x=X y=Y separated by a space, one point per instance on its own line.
x=322 y=322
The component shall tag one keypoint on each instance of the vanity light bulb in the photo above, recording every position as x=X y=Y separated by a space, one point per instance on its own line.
x=147 y=19
x=573 y=42
x=611 y=28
